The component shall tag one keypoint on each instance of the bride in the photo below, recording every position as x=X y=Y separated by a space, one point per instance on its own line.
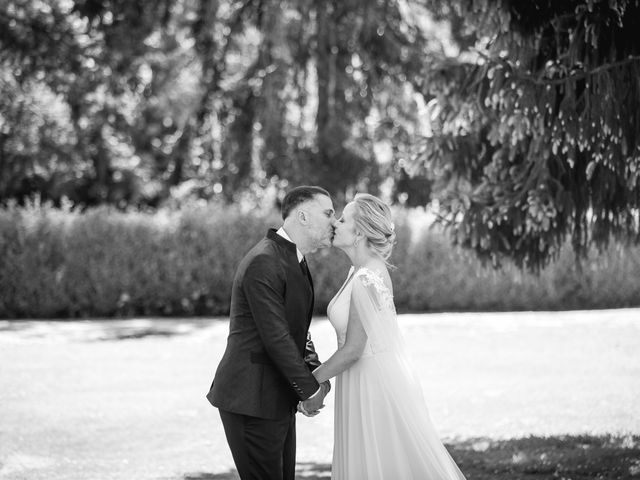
x=382 y=427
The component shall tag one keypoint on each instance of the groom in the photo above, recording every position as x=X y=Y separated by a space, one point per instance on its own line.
x=266 y=368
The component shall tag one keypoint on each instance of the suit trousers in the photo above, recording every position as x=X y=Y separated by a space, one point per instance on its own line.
x=262 y=449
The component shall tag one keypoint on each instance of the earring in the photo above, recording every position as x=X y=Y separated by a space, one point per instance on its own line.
x=355 y=242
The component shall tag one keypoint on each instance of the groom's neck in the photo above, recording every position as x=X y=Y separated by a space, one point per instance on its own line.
x=297 y=236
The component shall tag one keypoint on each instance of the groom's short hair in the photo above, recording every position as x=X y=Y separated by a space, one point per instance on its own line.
x=299 y=195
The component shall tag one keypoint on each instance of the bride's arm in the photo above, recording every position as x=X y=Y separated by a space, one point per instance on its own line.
x=346 y=355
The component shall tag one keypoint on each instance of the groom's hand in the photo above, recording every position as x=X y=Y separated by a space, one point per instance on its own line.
x=312 y=405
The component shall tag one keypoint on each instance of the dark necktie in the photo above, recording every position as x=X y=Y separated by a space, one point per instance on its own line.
x=304 y=267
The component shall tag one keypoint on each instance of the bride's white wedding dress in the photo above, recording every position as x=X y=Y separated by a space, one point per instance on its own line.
x=382 y=427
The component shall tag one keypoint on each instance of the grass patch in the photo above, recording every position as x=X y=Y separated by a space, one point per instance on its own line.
x=532 y=458
x=565 y=457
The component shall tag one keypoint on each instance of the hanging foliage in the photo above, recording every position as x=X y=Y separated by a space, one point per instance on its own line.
x=537 y=127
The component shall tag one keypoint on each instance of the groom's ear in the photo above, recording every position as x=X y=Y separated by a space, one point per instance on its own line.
x=302 y=217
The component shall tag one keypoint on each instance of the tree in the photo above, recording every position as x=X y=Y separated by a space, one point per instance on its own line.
x=154 y=100
x=80 y=63
x=536 y=126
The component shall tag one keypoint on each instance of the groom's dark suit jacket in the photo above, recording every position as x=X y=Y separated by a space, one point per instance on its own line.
x=266 y=367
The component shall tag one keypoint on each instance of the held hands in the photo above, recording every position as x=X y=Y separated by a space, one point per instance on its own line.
x=312 y=405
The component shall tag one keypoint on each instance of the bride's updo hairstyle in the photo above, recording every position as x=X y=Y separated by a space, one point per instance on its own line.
x=373 y=218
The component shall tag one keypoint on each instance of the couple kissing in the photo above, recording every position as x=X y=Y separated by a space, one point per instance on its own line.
x=270 y=370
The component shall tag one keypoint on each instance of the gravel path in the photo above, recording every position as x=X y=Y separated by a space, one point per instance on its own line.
x=125 y=399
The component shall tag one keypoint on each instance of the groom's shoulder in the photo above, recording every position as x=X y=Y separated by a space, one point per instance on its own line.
x=273 y=244
x=266 y=253
x=265 y=246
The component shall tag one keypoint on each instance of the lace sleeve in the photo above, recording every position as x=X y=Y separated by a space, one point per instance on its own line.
x=373 y=304
x=377 y=290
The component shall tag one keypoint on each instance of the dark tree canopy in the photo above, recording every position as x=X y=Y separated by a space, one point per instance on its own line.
x=537 y=127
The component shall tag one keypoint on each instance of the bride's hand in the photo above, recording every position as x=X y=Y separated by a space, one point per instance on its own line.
x=302 y=410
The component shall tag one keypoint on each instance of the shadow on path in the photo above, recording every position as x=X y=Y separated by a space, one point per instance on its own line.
x=304 y=471
x=103 y=330
x=231 y=475
x=532 y=458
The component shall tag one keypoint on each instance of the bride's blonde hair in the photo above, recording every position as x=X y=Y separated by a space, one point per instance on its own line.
x=373 y=218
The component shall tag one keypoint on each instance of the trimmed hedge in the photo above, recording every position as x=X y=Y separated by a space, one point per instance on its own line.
x=107 y=263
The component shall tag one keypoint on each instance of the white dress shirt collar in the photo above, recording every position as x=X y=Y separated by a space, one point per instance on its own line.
x=284 y=235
